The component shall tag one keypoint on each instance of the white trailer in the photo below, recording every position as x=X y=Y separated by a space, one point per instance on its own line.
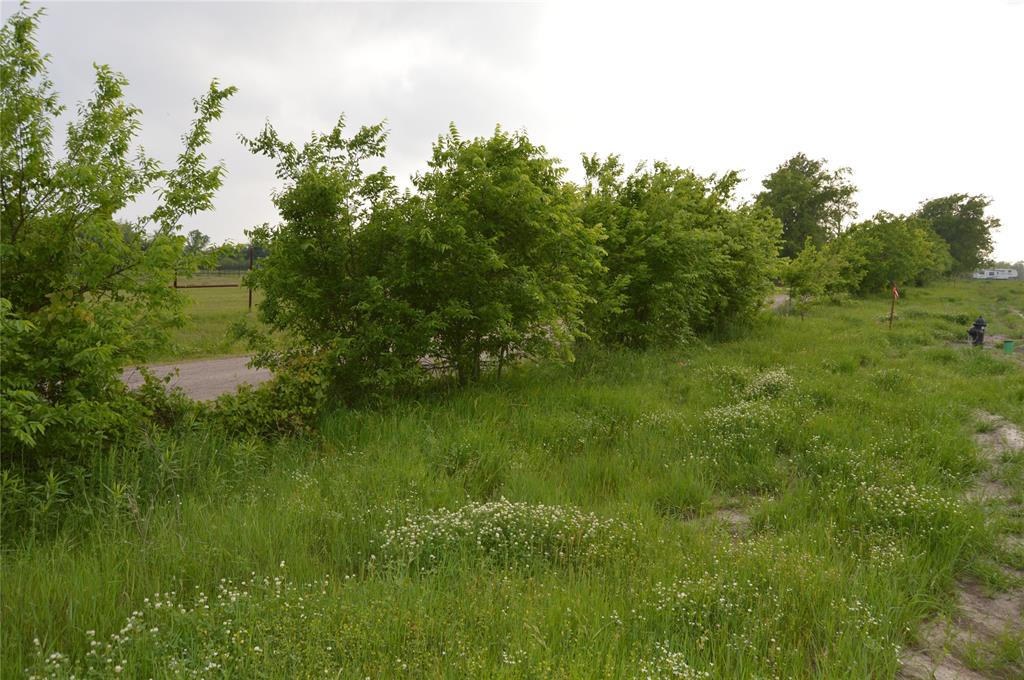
x=995 y=274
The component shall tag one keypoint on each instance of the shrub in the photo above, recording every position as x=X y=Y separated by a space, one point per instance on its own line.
x=82 y=292
x=494 y=254
x=811 y=275
x=486 y=260
x=890 y=250
x=291 y=402
x=679 y=260
x=327 y=280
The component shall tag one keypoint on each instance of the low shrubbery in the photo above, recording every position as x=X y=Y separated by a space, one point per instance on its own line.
x=493 y=259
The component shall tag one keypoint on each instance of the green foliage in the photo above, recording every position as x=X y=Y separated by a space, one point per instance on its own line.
x=289 y=403
x=961 y=222
x=493 y=254
x=679 y=260
x=486 y=260
x=327 y=280
x=891 y=250
x=83 y=293
x=812 y=274
x=196 y=242
x=811 y=202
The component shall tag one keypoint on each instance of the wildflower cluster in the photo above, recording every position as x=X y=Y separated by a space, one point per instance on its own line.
x=915 y=509
x=668 y=664
x=737 y=430
x=506 y=532
x=882 y=550
x=768 y=384
x=866 y=490
x=739 y=609
x=742 y=418
x=222 y=634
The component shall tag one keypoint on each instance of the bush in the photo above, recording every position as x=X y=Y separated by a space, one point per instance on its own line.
x=812 y=275
x=82 y=292
x=890 y=250
x=493 y=254
x=679 y=260
x=507 y=533
x=486 y=260
x=327 y=280
x=291 y=402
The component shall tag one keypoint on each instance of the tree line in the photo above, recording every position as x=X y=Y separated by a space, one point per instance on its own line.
x=827 y=256
x=490 y=257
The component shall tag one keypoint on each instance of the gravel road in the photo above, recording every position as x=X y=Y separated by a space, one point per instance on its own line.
x=205 y=379
x=210 y=378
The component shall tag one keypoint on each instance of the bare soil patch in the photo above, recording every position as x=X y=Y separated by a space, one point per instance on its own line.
x=981 y=616
x=735 y=521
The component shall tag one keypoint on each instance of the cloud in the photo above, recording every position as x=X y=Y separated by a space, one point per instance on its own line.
x=921 y=98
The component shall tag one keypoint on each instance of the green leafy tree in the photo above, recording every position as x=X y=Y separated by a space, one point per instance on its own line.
x=679 y=260
x=892 y=249
x=495 y=254
x=810 y=201
x=83 y=293
x=196 y=242
x=326 y=278
x=961 y=222
x=812 y=274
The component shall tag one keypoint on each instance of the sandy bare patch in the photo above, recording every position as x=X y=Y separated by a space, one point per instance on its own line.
x=981 y=616
x=735 y=521
x=1002 y=438
x=988 y=615
x=918 y=665
x=988 y=489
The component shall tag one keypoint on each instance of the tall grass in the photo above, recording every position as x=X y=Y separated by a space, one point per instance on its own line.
x=560 y=522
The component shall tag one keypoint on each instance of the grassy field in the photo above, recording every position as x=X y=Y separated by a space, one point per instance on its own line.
x=211 y=312
x=788 y=503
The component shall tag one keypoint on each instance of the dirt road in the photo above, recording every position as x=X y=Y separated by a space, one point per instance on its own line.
x=204 y=379
x=776 y=301
x=209 y=378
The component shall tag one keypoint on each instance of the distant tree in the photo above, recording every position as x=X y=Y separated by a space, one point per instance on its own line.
x=961 y=222
x=680 y=261
x=813 y=273
x=82 y=293
x=196 y=242
x=810 y=201
x=890 y=249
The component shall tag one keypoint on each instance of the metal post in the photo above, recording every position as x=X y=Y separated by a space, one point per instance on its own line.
x=250 y=269
x=892 y=308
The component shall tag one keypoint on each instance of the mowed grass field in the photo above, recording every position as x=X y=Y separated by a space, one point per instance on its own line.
x=211 y=313
x=786 y=503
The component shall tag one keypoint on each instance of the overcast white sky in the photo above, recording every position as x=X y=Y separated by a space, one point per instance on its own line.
x=920 y=98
